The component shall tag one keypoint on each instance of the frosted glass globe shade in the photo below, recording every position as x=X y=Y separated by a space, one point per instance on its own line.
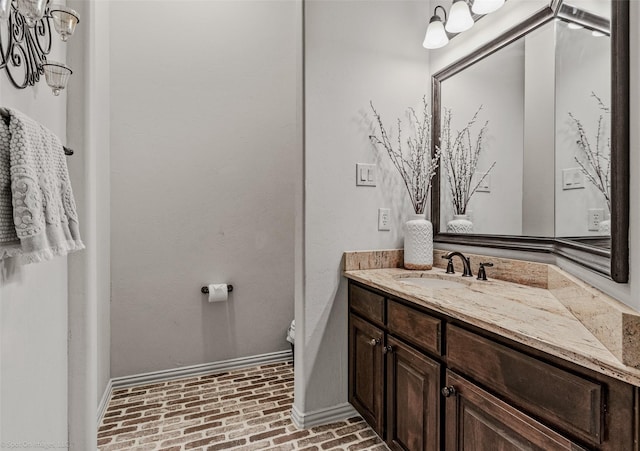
x=436 y=36
x=459 y=17
x=486 y=6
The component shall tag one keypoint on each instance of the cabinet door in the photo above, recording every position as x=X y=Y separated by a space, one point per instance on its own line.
x=413 y=399
x=366 y=371
x=478 y=421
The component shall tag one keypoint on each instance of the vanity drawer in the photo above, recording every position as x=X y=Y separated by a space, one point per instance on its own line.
x=571 y=402
x=414 y=326
x=367 y=304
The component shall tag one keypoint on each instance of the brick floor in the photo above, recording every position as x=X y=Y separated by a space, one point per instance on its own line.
x=246 y=409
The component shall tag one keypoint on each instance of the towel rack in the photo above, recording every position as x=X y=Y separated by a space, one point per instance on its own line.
x=4 y=113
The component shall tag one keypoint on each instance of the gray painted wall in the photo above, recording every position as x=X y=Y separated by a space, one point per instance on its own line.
x=203 y=132
x=355 y=52
x=496 y=84
x=33 y=311
x=582 y=67
x=538 y=180
x=89 y=271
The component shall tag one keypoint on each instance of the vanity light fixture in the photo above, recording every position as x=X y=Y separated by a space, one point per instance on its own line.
x=459 y=17
x=574 y=26
x=459 y=20
x=436 y=35
x=26 y=38
x=597 y=34
x=486 y=6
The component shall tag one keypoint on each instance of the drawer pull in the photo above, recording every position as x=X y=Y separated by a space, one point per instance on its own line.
x=448 y=391
x=388 y=349
x=374 y=342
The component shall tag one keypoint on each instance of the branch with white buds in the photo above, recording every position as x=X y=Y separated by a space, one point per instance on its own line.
x=595 y=161
x=412 y=158
x=460 y=158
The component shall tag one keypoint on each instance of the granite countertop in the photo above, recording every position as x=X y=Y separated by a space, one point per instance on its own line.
x=529 y=315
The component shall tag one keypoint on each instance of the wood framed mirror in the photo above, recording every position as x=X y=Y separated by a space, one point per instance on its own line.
x=516 y=208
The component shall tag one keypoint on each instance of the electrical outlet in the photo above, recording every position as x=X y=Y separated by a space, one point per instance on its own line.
x=384 y=219
x=594 y=217
x=485 y=186
x=365 y=174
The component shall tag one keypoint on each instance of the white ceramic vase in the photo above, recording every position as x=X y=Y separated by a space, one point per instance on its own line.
x=418 y=243
x=460 y=224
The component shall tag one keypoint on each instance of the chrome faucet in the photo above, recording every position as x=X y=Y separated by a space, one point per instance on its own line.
x=466 y=263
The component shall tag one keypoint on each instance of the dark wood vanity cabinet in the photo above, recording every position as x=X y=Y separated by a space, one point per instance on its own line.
x=392 y=382
x=425 y=382
x=413 y=398
x=478 y=421
x=366 y=371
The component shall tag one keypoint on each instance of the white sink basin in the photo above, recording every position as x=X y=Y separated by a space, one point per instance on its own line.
x=433 y=283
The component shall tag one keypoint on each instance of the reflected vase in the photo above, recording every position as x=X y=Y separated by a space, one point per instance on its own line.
x=460 y=224
x=604 y=227
x=418 y=243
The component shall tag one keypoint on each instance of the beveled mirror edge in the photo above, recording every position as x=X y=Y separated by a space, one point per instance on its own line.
x=612 y=263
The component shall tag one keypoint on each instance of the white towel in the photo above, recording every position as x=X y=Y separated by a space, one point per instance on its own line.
x=34 y=180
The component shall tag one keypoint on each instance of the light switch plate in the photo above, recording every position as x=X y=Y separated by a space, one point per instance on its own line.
x=485 y=186
x=572 y=178
x=365 y=174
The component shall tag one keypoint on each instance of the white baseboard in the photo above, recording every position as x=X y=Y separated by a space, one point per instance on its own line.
x=189 y=371
x=105 y=400
x=322 y=416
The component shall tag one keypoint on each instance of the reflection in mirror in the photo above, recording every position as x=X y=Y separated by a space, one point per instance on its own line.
x=583 y=144
x=498 y=101
x=542 y=105
x=554 y=92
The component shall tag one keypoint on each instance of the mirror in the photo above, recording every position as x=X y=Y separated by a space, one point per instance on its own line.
x=529 y=158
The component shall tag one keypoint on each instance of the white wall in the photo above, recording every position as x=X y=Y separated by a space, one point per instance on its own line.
x=355 y=52
x=203 y=133
x=33 y=313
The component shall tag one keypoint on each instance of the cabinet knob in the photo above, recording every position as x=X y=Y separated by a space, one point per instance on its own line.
x=448 y=391
x=374 y=341
x=388 y=349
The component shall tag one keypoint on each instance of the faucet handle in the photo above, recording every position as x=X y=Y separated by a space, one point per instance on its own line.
x=449 y=266
x=482 y=274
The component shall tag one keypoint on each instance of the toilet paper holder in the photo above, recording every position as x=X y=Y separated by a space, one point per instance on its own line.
x=205 y=290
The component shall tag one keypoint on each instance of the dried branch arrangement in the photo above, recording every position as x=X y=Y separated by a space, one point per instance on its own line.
x=412 y=157
x=595 y=161
x=460 y=156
